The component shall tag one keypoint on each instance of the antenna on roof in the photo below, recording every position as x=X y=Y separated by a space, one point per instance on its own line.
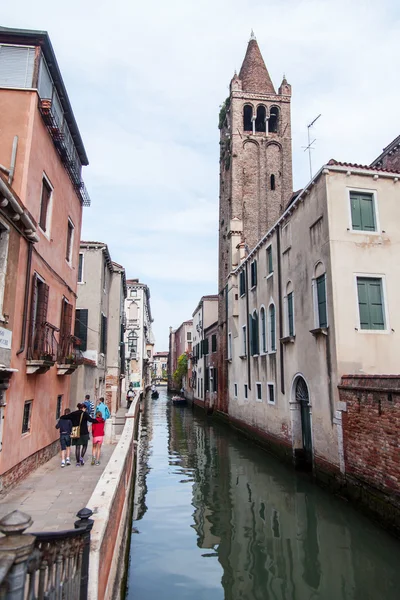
x=310 y=144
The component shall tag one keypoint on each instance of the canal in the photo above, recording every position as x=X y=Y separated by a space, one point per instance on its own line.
x=216 y=518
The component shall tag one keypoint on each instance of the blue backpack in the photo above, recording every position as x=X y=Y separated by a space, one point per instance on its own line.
x=106 y=413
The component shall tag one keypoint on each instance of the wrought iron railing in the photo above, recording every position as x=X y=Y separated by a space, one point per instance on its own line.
x=44 y=566
x=44 y=345
x=69 y=351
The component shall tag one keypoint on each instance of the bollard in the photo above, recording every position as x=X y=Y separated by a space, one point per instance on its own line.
x=86 y=523
x=16 y=548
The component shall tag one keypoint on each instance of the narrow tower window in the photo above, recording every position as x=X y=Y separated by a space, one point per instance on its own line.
x=260 y=119
x=273 y=120
x=248 y=118
x=272 y=182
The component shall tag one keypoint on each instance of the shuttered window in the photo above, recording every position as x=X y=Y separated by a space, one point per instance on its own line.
x=370 y=303
x=16 y=66
x=44 y=204
x=38 y=315
x=362 y=211
x=80 y=268
x=205 y=346
x=244 y=341
x=81 y=327
x=253 y=271
x=263 y=331
x=321 y=301
x=213 y=343
x=270 y=268
x=272 y=329
x=103 y=334
x=290 y=314
x=242 y=283
x=255 y=350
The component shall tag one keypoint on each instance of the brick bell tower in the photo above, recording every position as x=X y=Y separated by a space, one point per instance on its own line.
x=255 y=173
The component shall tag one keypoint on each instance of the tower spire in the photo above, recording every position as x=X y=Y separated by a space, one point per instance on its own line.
x=254 y=74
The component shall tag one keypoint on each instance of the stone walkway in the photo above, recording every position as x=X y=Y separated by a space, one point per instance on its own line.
x=52 y=496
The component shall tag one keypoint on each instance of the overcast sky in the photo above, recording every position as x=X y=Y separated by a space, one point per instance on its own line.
x=146 y=79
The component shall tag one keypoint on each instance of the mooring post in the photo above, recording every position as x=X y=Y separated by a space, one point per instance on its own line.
x=86 y=523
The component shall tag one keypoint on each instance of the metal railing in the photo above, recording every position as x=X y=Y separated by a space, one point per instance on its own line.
x=44 y=345
x=44 y=566
x=68 y=350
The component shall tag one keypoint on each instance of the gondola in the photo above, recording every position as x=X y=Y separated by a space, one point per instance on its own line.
x=154 y=395
x=179 y=400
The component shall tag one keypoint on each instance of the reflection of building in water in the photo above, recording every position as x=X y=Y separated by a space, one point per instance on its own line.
x=275 y=535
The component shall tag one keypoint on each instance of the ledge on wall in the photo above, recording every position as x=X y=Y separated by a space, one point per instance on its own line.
x=289 y=339
x=319 y=331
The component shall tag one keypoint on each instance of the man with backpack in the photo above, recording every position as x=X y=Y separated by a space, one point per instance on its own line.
x=103 y=408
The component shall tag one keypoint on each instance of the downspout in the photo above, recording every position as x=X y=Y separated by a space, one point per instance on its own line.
x=26 y=298
x=248 y=329
x=282 y=366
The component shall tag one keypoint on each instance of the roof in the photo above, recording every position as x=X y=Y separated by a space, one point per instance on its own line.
x=254 y=74
x=41 y=38
x=99 y=246
x=209 y=297
x=394 y=145
x=337 y=163
x=160 y=354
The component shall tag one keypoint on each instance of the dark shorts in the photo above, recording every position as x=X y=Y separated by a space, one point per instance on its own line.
x=65 y=441
x=81 y=441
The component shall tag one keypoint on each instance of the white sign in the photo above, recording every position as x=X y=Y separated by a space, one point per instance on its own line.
x=5 y=338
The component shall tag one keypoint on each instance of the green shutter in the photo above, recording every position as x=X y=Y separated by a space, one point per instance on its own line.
x=290 y=313
x=370 y=303
x=272 y=327
x=263 y=331
x=269 y=260
x=321 y=297
x=362 y=211
x=213 y=343
x=254 y=334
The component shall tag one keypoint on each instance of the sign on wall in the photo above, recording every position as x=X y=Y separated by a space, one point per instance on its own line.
x=5 y=338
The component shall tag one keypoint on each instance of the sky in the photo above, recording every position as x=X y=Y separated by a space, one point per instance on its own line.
x=146 y=80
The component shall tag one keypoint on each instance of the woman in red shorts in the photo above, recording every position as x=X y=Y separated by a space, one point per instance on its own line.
x=98 y=437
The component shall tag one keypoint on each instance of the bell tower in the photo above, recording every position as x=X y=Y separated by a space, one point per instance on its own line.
x=255 y=167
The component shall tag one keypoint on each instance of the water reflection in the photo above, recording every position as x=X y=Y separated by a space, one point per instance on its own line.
x=261 y=531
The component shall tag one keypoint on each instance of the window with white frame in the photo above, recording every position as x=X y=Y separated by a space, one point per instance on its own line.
x=271 y=328
x=263 y=330
x=363 y=211
x=229 y=346
x=235 y=390
x=259 y=392
x=270 y=266
x=246 y=391
x=244 y=340
x=45 y=204
x=271 y=393
x=255 y=344
x=371 y=305
x=80 y=267
x=253 y=273
x=319 y=294
x=286 y=236
x=26 y=419
x=289 y=310
x=70 y=241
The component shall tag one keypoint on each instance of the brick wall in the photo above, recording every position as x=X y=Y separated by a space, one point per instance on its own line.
x=11 y=477
x=371 y=426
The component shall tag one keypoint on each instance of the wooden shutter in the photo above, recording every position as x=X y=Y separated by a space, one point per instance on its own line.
x=32 y=312
x=81 y=324
x=362 y=211
x=250 y=350
x=215 y=379
x=213 y=343
x=321 y=297
x=290 y=313
x=206 y=346
x=269 y=259
x=370 y=303
x=272 y=327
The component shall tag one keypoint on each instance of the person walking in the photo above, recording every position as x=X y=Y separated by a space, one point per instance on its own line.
x=89 y=405
x=130 y=395
x=80 y=418
x=98 y=437
x=103 y=408
x=65 y=427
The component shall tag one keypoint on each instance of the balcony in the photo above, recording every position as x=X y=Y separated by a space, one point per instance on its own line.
x=69 y=356
x=42 y=351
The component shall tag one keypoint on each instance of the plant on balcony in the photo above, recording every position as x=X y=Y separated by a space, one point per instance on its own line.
x=181 y=370
x=47 y=356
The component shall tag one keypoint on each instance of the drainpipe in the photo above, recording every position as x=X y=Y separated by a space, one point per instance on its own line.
x=282 y=366
x=26 y=298
x=248 y=328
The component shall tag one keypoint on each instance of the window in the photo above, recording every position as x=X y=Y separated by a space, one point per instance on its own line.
x=261 y=119
x=45 y=205
x=235 y=390
x=81 y=327
x=263 y=331
x=242 y=283
x=104 y=275
x=259 y=392
x=80 y=268
x=103 y=334
x=270 y=268
x=253 y=273
x=59 y=407
x=272 y=182
x=248 y=118
x=271 y=393
x=70 y=241
x=244 y=340
x=16 y=66
x=4 y=239
x=272 y=329
x=246 y=391
x=205 y=346
x=286 y=236
x=214 y=343
x=362 y=211
x=255 y=346
x=26 y=419
x=189 y=336
x=229 y=346
x=273 y=123
x=65 y=330
x=321 y=301
x=133 y=293
x=38 y=317
x=370 y=303
x=290 y=314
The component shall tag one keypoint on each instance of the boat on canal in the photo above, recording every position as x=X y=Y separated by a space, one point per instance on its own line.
x=180 y=400
x=154 y=395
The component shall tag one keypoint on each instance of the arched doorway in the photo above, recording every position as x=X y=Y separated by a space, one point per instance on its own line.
x=304 y=453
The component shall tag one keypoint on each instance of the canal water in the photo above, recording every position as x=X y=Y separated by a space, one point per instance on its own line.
x=216 y=518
